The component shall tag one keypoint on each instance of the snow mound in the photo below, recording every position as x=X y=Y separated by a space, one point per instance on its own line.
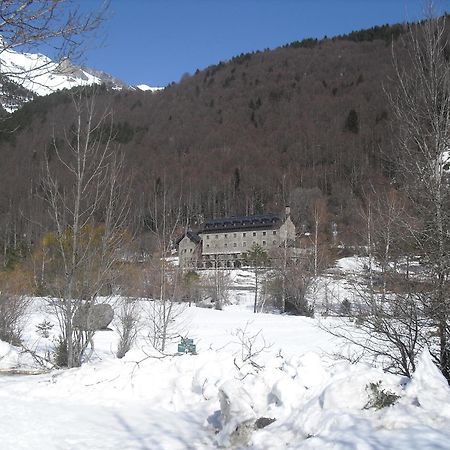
x=294 y=396
x=12 y=358
x=429 y=386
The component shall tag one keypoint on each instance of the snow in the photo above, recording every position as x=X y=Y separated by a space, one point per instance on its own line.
x=352 y=264
x=319 y=400
x=43 y=76
x=146 y=87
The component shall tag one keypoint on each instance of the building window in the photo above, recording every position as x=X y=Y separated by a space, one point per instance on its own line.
x=244 y=244
x=207 y=236
x=226 y=236
x=226 y=245
x=264 y=233
x=274 y=232
x=254 y=233
x=217 y=236
x=264 y=242
x=235 y=245
x=234 y=235
x=207 y=245
x=190 y=250
x=244 y=234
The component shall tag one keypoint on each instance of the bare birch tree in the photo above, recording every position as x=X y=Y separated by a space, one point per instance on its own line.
x=421 y=103
x=88 y=205
x=164 y=279
x=388 y=322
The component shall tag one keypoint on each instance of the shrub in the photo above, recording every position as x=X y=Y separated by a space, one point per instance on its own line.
x=352 y=122
x=379 y=398
x=60 y=352
x=12 y=312
x=44 y=328
x=127 y=326
x=345 y=308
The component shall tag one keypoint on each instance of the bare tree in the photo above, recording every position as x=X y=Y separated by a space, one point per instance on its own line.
x=216 y=286
x=258 y=259
x=421 y=103
x=165 y=306
x=88 y=205
x=164 y=279
x=389 y=320
x=390 y=331
x=292 y=284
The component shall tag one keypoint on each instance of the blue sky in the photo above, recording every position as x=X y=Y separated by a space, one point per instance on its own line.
x=157 y=41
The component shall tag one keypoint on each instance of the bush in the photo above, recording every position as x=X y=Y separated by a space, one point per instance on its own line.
x=60 y=352
x=127 y=326
x=44 y=328
x=346 y=308
x=352 y=122
x=378 y=397
x=13 y=309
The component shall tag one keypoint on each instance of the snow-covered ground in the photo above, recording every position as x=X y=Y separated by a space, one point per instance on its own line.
x=318 y=400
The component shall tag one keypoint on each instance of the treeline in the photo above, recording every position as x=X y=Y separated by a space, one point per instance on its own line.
x=296 y=125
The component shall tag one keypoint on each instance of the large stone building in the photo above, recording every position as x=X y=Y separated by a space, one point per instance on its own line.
x=223 y=242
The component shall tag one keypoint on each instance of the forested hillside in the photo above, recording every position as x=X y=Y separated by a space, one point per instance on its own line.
x=306 y=122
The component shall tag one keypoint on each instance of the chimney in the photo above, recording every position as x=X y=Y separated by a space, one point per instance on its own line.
x=287 y=212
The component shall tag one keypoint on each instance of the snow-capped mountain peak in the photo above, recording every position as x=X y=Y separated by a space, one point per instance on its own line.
x=26 y=75
x=146 y=87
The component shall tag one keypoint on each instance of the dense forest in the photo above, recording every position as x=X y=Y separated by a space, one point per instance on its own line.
x=306 y=122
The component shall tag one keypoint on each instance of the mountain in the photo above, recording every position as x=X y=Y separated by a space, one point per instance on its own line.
x=25 y=76
x=305 y=123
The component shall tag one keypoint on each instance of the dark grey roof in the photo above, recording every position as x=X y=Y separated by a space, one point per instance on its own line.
x=194 y=237
x=266 y=221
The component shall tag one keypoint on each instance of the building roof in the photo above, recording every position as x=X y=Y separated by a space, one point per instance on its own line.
x=194 y=237
x=261 y=221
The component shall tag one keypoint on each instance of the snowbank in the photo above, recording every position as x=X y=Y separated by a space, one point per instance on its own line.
x=288 y=393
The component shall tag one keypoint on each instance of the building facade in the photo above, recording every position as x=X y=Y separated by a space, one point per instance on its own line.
x=223 y=242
